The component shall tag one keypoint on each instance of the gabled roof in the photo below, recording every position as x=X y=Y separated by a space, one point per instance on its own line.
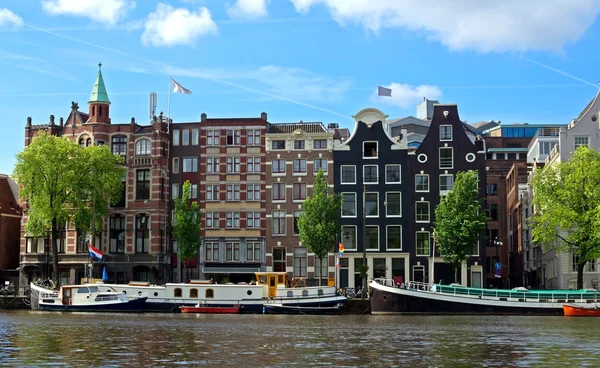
x=341 y=134
x=315 y=127
x=9 y=204
x=588 y=106
x=99 y=93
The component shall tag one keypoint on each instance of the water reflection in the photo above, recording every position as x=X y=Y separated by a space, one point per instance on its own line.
x=37 y=338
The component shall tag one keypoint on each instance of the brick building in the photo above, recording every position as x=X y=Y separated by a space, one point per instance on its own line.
x=294 y=154
x=134 y=235
x=10 y=223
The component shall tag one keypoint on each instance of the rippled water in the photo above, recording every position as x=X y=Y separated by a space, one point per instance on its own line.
x=44 y=338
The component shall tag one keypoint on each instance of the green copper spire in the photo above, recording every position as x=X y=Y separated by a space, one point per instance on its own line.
x=99 y=92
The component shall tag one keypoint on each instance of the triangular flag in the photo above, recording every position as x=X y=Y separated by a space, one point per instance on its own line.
x=178 y=88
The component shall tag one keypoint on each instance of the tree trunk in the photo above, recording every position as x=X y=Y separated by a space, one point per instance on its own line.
x=580 y=267
x=179 y=276
x=320 y=271
x=54 y=248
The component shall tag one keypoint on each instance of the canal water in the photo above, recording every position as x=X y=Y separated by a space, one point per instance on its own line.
x=32 y=338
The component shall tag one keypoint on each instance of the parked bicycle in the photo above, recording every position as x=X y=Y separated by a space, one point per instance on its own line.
x=8 y=290
x=45 y=282
x=352 y=293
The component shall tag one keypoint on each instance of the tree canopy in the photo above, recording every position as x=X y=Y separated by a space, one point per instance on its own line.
x=566 y=200
x=459 y=220
x=318 y=223
x=186 y=225
x=59 y=180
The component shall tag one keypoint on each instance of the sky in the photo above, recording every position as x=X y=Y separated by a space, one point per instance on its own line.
x=520 y=61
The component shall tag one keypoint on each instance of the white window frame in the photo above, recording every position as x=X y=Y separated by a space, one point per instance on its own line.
x=176 y=137
x=440 y=158
x=251 y=164
x=428 y=212
x=365 y=204
x=194 y=137
x=376 y=176
x=213 y=137
x=212 y=220
x=237 y=137
x=213 y=165
x=399 y=174
x=175 y=167
x=299 y=185
x=387 y=241
x=251 y=137
x=319 y=165
x=440 y=182
x=280 y=218
x=234 y=189
x=185 y=137
x=279 y=160
x=355 y=237
x=575 y=144
x=175 y=191
x=416 y=183
x=210 y=188
x=299 y=160
x=273 y=192
x=342 y=175
x=251 y=218
x=235 y=164
x=235 y=220
x=428 y=244
x=387 y=204
x=445 y=137
x=355 y=206
x=376 y=150
x=378 y=237
x=252 y=194
x=303 y=144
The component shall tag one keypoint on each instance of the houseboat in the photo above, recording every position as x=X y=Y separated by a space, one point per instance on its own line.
x=268 y=287
x=420 y=298
x=86 y=298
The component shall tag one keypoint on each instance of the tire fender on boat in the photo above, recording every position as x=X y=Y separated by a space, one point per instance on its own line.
x=175 y=310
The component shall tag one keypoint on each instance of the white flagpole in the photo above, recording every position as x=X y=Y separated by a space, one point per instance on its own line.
x=169 y=107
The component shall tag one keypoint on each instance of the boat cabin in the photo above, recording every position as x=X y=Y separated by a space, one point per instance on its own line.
x=87 y=294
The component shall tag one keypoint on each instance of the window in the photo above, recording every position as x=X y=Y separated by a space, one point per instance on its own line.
x=299 y=191
x=393 y=204
x=493 y=189
x=253 y=192
x=320 y=163
x=299 y=166
x=212 y=252
x=445 y=132
x=581 y=141
x=591 y=266
x=370 y=174
x=392 y=174
x=299 y=262
x=233 y=137
x=279 y=222
x=279 y=259
x=422 y=210
x=422 y=183
x=61 y=238
x=253 y=252
x=176 y=137
x=278 y=166
x=574 y=261
x=194 y=191
x=253 y=137
x=372 y=237
x=494 y=212
x=233 y=192
x=253 y=165
x=175 y=165
x=297 y=214
x=349 y=205
x=446 y=182
x=190 y=164
x=117 y=234
x=348 y=174
x=175 y=191
x=422 y=243
x=177 y=293
x=212 y=220
x=320 y=144
x=119 y=145
x=546 y=147
x=142 y=186
x=232 y=251
x=233 y=220
x=212 y=137
x=212 y=192
x=143 y=147
x=323 y=272
x=299 y=144
x=372 y=204
x=194 y=137
x=142 y=234
x=36 y=245
x=278 y=145
x=185 y=137
x=209 y=293
x=446 y=158
x=233 y=164
x=253 y=220
x=213 y=165
x=394 y=237
x=349 y=236
x=278 y=191
x=369 y=149
x=193 y=293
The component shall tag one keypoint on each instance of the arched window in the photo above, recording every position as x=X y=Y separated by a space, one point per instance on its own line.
x=142 y=147
x=177 y=293
x=194 y=293
x=320 y=292
x=210 y=293
x=88 y=142
x=304 y=292
x=82 y=142
x=290 y=294
x=99 y=110
x=93 y=110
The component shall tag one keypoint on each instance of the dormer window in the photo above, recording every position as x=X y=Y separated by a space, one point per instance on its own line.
x=369 y=149
x=143 y=147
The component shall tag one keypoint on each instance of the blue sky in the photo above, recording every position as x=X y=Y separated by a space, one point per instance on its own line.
x=313 y=60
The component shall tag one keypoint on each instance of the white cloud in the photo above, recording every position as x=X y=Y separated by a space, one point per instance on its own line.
x=407 y=96
x=486 y=26
x=247 y=9
x=106 y=11
x=169 y=26
x=8 y=17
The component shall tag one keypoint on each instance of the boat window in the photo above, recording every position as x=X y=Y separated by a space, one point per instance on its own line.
x=177 y=293
x=93 y=289
x=82 y=290
x=193 y=293
x=263 y=279
x=249 y=292
x=304 y=292
x=155 y=293
x=210 y=293
x=280 y=279
x=320 y=292
x=290 y=294
x=106 y=297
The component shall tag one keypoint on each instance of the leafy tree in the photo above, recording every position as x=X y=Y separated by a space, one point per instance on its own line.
x=56 y=178
x=566 y=201
x=459 y=221
x=318 y=223
x=186 y=226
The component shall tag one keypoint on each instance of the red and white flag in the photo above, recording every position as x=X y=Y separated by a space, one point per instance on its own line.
x=178 y=88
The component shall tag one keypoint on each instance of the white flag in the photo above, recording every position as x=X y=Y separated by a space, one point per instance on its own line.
x=178 y=88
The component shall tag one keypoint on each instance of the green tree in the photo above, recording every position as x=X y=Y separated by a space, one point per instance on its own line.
x=459 y=221
x=318 y=223
x=55 y=180
x=566 y=200
x=186 y=225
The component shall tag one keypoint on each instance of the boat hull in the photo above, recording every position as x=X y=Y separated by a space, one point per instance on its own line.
x=282 y=309
x=131 y=306
x=211 y=310
x=388 y=300
x=576 y=311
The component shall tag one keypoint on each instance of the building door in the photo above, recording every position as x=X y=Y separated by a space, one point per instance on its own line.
x=344 y=272
x=418 y=274
x=476 y=277
x=272 y=286
x=398 y=270
x=66 y=296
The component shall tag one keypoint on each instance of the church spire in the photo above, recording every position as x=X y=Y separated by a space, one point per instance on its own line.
x=99 y=94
